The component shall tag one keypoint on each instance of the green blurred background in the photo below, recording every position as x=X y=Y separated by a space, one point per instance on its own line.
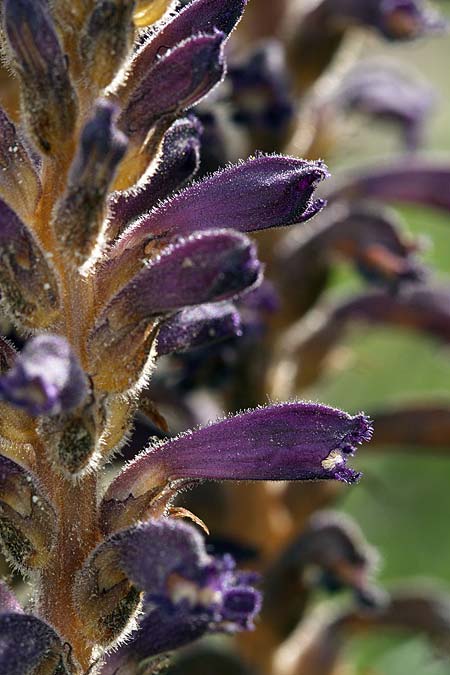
x=403 y=500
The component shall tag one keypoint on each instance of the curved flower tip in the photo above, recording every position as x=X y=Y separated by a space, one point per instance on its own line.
x=187 y=592
x=28 y=645
x=262 y=192
x=46 y=378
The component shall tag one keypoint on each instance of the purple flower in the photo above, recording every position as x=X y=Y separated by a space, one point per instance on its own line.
x=29 y=645
x=198 y=326
x=46 y=378
x=205 y=267
x=199 y=17
x=410 y=181
x=289 y=441
x=387 y=93
x=177 y=162
x=267 y=191
x=188 y=593
x=177 y=81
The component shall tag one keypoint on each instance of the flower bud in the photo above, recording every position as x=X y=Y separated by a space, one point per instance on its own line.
x=205 y=267
x=177 y=81
x=28 y=285
x=106 y=39
x=46 y=377
x=27 y=519
x=20 y=185
x=177 y=162
x=79 y=215
x=48 y=97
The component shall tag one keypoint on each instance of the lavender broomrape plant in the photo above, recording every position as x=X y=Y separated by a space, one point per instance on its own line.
x=98 y=261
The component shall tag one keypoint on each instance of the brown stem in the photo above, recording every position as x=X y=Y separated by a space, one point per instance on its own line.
x=78 y=534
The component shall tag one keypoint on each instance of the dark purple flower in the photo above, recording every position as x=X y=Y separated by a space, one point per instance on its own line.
x=289 y=441
x=198 y=326
x=177 y=162
x=187 y=592
x=28 y=645
x=200 y=16
x=28 y=285
x=47 y=93
x=177 y=81
x=387 y=93
x=411 y=181
x=267 y=191
x=46 y=378
x=205 y=267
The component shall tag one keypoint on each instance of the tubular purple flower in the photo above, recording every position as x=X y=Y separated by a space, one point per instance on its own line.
x=199 y=16
x=46 y=378
x=408 y=182
x=187 y=592
x=198 y=326
x=288 y=441
x=177 y=162
x=29 y=645
x=267 y=191
x=177 y=81
x=205 y=267
x=387 y=93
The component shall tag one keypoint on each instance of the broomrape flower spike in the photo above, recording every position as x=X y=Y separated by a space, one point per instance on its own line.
x=111 y=258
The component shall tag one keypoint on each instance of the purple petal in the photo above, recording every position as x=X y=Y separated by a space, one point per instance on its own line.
x=28 y=286
x=27 y=519
x=289 y=441
x=79 y=216
x=177 y=81
x=411 y=182
x=267 y=191
x=199 y=16
x=387 y=93
x=188 y=592
x=28 y=645
x=47 y=93
x=421 y=308
x=46 y=378
x=205 y=267
x=197 y=327
x=8 y=601
x=177 y=162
